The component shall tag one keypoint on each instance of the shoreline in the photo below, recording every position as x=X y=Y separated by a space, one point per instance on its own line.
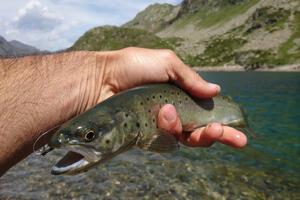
x=239 y=68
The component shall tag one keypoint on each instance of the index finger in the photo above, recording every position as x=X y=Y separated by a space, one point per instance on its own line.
x=190 y=81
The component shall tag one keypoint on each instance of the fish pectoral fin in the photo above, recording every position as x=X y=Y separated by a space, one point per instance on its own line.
x=43 y=139
x=161 y=142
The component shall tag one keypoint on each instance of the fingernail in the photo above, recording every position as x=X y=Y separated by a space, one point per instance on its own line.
x=170 y=114
x=214 y=86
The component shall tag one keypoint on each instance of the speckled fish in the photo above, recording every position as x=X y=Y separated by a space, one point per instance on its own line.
x=128 y=120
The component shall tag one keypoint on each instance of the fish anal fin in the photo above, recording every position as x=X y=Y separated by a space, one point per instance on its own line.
x=162 y=143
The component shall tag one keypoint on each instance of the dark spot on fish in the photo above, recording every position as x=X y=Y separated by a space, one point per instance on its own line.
x=177 y=93
x=153 y=97
x=138 y=125
x=146 y=124
x=180 y=102
x=142 y=103
x=153 y=120
x=166 y=100
x=125 y=125
x=107 y=141
x=149 y=111
x=126 y=115
x=148 y=99
x=165 y=91
x=186 y=98
x=172 y=93
x=160 y=96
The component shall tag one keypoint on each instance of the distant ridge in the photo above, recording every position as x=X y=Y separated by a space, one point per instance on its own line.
x=15 y=48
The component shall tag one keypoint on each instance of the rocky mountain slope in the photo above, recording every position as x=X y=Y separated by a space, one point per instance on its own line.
x=15 y=48
x=252 y=33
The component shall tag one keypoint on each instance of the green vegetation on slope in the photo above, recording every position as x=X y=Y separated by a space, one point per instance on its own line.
x=254 y=59
x=226 y=13
x=289 y=52
x=153 y=18
x=174 y=41
x=219 y=51
x=211 y=15
x=269 y=18
x=225 y=48
x=113 y=38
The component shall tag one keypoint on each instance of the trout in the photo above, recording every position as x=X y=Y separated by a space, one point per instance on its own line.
x=128 y=120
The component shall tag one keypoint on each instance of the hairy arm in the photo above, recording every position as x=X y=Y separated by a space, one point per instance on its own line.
x=40 y=92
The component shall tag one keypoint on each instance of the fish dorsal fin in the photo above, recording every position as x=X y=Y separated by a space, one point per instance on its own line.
x=161 y=142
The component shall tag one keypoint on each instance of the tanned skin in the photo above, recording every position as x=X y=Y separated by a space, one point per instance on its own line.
x=38 y=93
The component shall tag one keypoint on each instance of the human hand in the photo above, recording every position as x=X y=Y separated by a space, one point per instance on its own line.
x=136 y=66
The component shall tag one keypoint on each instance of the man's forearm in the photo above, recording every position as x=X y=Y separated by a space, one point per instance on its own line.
x=37 y=93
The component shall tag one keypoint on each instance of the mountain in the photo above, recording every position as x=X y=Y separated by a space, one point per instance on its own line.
x=112 y=38
x=15 y=48
x=155 y=17
x=252 y=33
x=6 y=48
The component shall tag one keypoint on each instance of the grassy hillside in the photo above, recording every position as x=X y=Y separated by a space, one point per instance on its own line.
x=112 y=38
x=213 y=13
x=252 y=33
x=289 y=51
x=228 y=48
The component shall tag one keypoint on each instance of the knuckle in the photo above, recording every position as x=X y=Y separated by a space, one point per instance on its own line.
x=168 y=54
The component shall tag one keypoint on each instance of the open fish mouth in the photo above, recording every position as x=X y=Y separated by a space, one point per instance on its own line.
x=79 y=159
x=71 y=163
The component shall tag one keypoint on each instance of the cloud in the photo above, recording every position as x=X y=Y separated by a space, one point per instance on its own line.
x=37 y=25
x=36 y=17
x=57 y=24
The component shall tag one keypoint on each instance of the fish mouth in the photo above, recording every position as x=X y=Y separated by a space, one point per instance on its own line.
x=82 y=157
x=78 y=159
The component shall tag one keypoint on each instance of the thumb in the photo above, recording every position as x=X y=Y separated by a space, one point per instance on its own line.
x=168 y=120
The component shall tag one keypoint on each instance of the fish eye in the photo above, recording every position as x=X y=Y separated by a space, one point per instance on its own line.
x=89 y=136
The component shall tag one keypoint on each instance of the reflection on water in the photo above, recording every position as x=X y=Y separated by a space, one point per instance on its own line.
x=267 y=169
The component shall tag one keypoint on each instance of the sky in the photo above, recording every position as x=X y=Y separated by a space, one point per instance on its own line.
x=57 y=24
